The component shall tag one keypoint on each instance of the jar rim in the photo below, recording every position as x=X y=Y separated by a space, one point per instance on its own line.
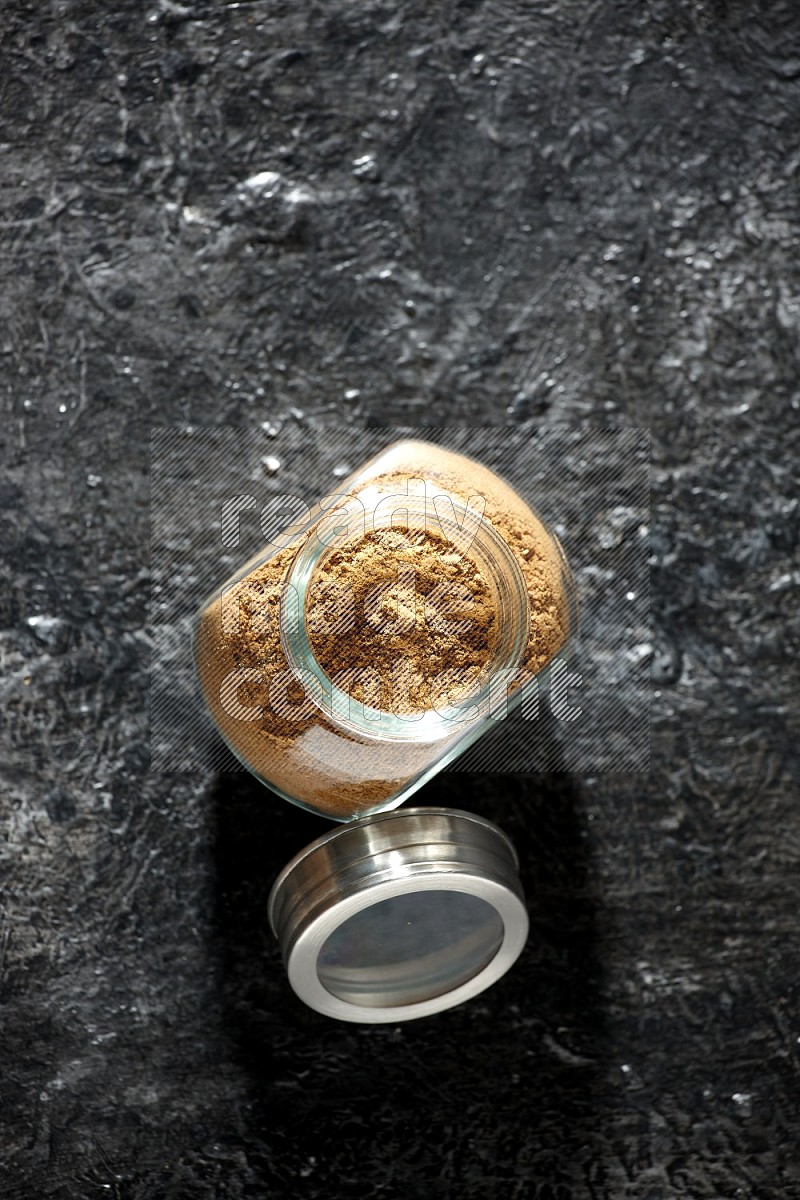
x=464 y=525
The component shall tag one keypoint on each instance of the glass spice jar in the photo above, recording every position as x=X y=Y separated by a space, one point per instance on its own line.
x=344 y=729
x=377 y=636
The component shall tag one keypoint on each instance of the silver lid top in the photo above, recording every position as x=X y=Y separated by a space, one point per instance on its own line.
x=399 y=915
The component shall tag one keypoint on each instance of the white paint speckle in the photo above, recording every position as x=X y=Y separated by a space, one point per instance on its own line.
x=263 y=182
x=299 y=195
x=193 y=215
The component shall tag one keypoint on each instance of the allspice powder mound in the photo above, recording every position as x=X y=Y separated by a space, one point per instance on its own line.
x=401 y=619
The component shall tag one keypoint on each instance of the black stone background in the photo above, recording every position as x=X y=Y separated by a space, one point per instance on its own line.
x=567 y=211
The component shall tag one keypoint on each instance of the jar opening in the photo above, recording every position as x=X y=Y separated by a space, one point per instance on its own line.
x=404 y=615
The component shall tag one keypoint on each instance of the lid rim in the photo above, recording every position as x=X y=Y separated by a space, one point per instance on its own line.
x=373 y=819
x=301 y=960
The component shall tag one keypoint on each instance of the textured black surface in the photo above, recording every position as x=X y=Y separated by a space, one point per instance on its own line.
x=457 y=212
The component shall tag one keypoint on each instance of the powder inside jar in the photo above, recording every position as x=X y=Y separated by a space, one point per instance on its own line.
x=402 y=619
x=261 y=707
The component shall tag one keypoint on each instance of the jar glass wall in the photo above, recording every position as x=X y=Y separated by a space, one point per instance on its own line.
x=380 y=634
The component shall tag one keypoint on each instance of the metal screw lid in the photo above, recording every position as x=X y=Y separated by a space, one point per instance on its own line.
x=399 y=915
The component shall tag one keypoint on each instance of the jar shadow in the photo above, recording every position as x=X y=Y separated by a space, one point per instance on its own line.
x=256 y=834
x=520 y=1071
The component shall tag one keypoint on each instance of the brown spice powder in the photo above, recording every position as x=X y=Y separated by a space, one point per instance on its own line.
x=401 y=619
x=296 y=749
